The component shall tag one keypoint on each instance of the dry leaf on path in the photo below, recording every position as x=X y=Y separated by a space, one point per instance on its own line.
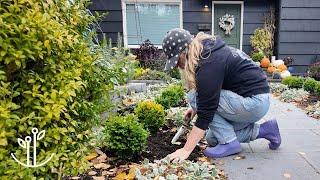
x=239 y=157
x=302 y=153
x=251 y=168
x=287 y=175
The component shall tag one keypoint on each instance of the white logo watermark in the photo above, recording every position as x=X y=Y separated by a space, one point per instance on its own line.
x=26 y=145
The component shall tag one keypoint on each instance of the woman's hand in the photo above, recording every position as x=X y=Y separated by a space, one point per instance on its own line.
x=194 y=137
x=179 y=155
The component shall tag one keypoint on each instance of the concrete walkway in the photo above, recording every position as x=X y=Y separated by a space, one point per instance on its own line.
x=297 y=158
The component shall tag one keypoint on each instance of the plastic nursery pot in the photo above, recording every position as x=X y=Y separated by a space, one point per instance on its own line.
x=291 y=69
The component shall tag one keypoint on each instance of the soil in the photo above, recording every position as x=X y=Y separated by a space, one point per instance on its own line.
x=159 y=146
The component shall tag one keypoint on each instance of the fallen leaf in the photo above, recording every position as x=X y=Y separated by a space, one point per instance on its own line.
x=92 y=173
x=289 y=110
x=75 y=177
x=98 y=177
x=250 y=168
x=101 y=166
x=121 y=176
x=203 y=159
x=99 y=152
x=104 y=173
x=287 y=175
x=102 y=158
x=177 y=143
x=240 y=157
x=173 y=129
x=91 y=156
x=302 y=153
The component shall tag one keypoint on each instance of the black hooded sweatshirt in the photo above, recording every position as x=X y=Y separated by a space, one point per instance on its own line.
x=224 y=67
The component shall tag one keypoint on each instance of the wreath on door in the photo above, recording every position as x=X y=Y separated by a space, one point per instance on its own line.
x=227 y=23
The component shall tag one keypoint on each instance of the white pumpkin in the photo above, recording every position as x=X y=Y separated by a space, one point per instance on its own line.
x=285 y=74
x=277 y=63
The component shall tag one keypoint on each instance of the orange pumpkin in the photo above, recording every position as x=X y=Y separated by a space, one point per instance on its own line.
x=265 y=62
x=282 y=67
x=271 y=69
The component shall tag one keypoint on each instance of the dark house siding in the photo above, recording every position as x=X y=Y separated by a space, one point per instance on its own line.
x=112 y=23
x=299 y=35
x=193 y=15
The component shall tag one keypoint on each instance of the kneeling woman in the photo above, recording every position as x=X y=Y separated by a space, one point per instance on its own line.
x=227 y=92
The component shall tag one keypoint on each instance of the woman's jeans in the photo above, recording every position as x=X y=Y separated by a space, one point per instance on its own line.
x=235 y=117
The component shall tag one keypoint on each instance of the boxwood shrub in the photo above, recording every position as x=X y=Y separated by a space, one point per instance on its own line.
x=171 y=96
x=151 y=115
x=309 y=84
x=293 y=82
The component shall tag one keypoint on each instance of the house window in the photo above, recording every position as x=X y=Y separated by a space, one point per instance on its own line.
x=149 y=20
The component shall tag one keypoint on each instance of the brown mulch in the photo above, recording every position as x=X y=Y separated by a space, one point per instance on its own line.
x=312 y=99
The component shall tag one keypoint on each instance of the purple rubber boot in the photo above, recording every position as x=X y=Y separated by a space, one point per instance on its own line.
x=269 y=130
x=223 y=150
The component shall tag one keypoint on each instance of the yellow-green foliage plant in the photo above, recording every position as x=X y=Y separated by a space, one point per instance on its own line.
x=44 y=58
x=151 y=115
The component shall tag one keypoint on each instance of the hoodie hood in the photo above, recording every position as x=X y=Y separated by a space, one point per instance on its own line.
x=210 y=46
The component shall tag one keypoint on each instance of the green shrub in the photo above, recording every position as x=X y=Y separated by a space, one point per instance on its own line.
x=309 y=84
x=125 y=136
x=262 y=40
x=175 y=73
x=257 y=56
x=151 y=115
x=293 y=82
x=171 y=96
x=317 y=89
x=151 y=75
x=50 y=79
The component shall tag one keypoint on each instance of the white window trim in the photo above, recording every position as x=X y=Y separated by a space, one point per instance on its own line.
x=124 y=16
x=241 y=25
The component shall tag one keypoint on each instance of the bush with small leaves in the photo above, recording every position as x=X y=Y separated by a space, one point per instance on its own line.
x=317 y=89
x=309 y=84
x=171 y=96
x=293 y=82
x=151 y=115
x=173 y=171
x=294 y=95
x=125 y=136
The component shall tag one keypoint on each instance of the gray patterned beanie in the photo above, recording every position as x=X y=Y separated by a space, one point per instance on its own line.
x=175 y=41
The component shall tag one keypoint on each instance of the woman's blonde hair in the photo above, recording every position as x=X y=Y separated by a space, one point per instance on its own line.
x=193 y=52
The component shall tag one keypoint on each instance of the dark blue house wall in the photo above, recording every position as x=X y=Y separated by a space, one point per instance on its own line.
x=193 y=14
x=299 y=33
x=112 y=23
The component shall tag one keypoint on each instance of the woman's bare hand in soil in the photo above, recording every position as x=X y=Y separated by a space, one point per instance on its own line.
x=179 y=155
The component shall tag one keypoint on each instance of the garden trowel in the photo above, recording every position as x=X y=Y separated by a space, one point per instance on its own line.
x=182 y=129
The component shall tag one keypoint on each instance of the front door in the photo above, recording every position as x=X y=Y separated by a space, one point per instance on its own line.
x=227 y=23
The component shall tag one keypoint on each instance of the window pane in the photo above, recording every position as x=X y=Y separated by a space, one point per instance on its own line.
x=150 y=21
